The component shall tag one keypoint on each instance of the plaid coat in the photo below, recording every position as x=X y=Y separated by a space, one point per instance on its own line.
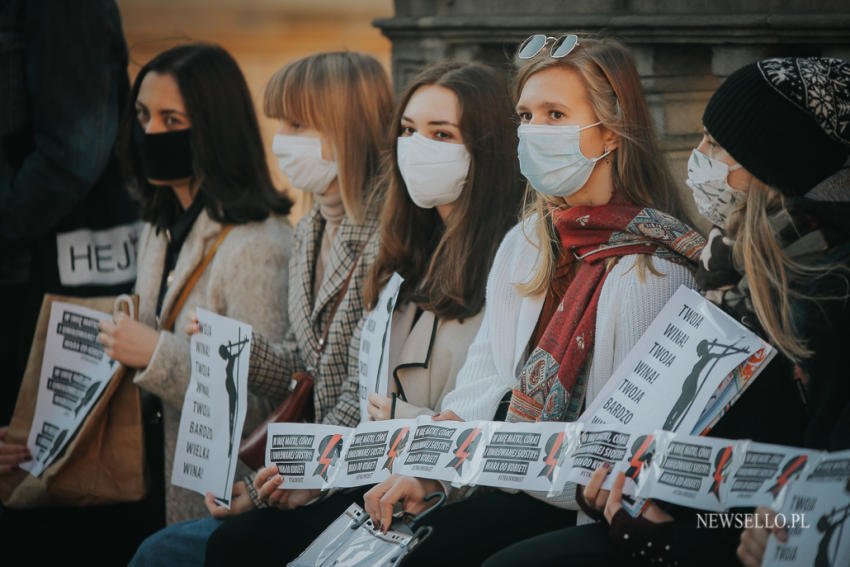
x=272 y=365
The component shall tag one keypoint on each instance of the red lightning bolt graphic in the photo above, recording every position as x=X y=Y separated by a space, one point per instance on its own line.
x=324 y=460
x=551 y=459
x=718 y=474
x=392 y=453
x=461 y=452
x=636 y=461
x=786 y=476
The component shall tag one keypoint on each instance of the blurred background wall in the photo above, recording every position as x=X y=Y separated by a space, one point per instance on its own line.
x=261 y=34
x=683 y=48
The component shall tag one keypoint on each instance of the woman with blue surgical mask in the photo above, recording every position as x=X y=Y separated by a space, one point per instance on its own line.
x=572 y=287
x=453 y=192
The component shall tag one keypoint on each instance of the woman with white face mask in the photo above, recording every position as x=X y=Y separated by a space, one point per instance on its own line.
x=453 y=192
x=333 y=108
x=572 y=287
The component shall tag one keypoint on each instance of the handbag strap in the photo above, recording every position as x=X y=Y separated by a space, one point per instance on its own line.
x=193 y=279
x=324 y=338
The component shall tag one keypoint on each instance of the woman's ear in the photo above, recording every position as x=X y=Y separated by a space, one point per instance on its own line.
x=611 y=140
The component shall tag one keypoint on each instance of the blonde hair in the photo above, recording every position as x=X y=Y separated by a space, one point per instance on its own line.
x=347 y=97
x=640 y=171
x=770 y=270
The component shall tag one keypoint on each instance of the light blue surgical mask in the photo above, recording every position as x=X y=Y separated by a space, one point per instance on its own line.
x=550 y=158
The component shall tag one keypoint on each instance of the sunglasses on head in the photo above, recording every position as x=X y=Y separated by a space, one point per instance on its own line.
x=561 y=47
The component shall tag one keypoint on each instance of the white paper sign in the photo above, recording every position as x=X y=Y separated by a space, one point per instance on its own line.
x=214 y=407
x=816 y=512
x=522 y=455
x=98 y=257
x=74 y=373
x=674 y=371
x=691 y=470
x=373 y=366
x=307 y=455
x=371 y=452
x=444 y=450
x=764 y=471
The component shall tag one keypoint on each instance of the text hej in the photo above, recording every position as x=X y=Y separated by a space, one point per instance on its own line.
x=103 y=258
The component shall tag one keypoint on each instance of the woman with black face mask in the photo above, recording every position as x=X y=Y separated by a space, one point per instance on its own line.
x=193 y=156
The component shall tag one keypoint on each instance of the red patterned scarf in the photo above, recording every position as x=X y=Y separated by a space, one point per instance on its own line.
x=592 y=234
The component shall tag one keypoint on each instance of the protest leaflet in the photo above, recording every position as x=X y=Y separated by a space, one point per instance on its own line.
x=74 y=374
x=815 y=511
x=764 y=471
x=214 y=407
x=373 y=371
x=679 y=366
x=691 y=470
x=523 y=455
x=443 y=450
x=307 y=455
x=371 y=452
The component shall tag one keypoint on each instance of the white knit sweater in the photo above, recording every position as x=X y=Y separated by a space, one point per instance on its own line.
x=627 y=306
x=495 y=359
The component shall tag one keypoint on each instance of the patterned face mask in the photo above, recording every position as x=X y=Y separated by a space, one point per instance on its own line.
x=714 y=197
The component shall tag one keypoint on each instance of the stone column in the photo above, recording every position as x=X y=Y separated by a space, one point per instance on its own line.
x=683 y=49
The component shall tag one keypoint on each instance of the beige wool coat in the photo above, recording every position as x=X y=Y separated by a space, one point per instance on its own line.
x=425 y=358
x=247 y=280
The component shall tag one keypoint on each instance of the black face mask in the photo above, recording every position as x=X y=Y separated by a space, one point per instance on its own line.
x=165 y=156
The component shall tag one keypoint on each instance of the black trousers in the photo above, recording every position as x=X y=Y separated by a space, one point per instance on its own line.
x=465 y=532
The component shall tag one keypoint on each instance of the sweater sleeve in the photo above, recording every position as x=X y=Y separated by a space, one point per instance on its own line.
x=480 y=385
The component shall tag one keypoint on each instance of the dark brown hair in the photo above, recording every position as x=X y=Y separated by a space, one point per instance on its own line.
x=445 y=266
x=227 y=150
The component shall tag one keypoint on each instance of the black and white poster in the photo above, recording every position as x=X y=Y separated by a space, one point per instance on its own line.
x=444 y=450
x=764 y=471
x=373 y=361
x=371 y=452
x=307 y=455
x=74 y=373
x=523 y=455
x=674 y=372
x=214 y=407
x=691 y=470
x=815 y=511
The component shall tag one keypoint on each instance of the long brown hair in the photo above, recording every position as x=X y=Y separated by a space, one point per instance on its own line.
x=346 y=96
x=445 y=266
x=640 y=172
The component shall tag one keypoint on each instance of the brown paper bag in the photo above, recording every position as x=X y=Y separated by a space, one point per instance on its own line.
x=105 y=461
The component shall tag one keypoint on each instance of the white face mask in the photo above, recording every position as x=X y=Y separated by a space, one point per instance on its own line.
x=434 y=172
x=300 y=158
x=714 y=197
x=550 y=158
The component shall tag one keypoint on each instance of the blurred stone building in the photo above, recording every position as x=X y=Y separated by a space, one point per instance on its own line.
x=683 y=48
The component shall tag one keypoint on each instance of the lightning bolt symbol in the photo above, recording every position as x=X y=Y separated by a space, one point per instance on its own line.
x=461 y=452
x=324 y=460
x=551 y=459
x=636 y=461
x=718 y=474
x=783 y=479
x=392 y=453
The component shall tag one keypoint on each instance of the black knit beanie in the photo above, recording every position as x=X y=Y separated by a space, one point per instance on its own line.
x=787 y=121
